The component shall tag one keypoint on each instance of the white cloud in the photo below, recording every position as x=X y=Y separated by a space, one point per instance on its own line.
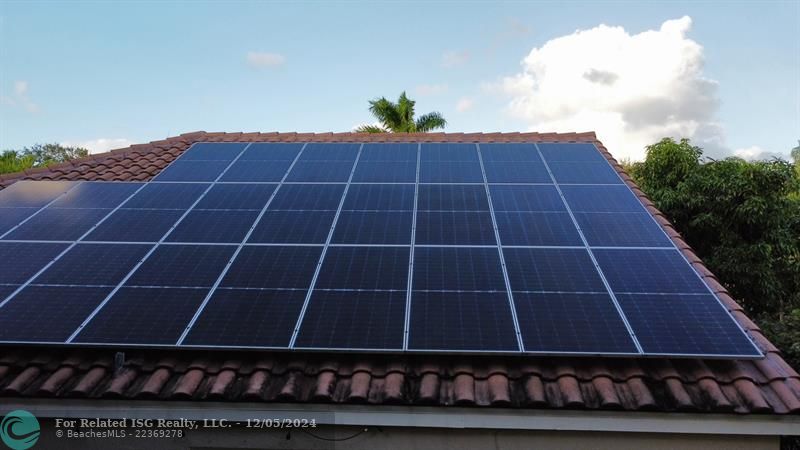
x=20 y=97
x=430 y=89
x=101 y=145
x=464 y=104
x=262 y=60
x=452 y=59
x=755 y=152
x=20 y=88
x=631 y=89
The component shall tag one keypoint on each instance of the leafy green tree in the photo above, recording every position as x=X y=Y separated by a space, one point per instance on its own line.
x=399 y=117
x=11 y=161
x=38 y=155
x=742 y=218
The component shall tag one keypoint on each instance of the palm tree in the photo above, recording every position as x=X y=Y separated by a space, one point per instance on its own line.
x=399 y=117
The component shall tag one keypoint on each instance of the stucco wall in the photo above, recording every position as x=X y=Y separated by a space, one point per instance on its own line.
x=406 y=438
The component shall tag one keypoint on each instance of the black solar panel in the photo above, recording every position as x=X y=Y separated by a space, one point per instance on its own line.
x=214 y=226
x=256 y=171
x=293 y=227
x=552 y=270
x=583 y=267
x=135 y=225
x=477 y=321
x=94 y=264
x=370 y=268
x=568 y=322
x=33 y=194
x=182 y=266
x=167 y=196
x=537 y=229
x=674 y=324
x=143 y=316
x=21 y=260
x=237 y=196
x=96 y=195
x=48 y=313
x=648 y=271
x=347 y=320
x=11 y=217
x=58 y=224
x=193 y=171
x=273 y=267
x=455 y=228
x=457 y=268
x=247 y=318
x=374 y=227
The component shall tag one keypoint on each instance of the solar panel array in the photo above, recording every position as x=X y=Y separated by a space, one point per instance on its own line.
x=433 y=247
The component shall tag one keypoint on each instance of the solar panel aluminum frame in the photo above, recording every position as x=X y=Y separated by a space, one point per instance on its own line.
x=406 y=325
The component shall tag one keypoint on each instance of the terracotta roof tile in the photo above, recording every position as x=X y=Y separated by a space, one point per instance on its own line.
x=744 y=386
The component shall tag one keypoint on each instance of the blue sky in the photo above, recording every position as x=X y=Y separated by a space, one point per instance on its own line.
x=107 y=74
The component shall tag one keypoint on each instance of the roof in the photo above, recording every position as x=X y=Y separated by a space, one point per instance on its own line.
x=767 y=385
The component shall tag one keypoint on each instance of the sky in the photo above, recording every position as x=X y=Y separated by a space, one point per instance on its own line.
x=105 y=75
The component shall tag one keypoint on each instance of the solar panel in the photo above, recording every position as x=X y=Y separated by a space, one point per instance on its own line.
x=248 y=318
x=347 y=319
x=361 y=247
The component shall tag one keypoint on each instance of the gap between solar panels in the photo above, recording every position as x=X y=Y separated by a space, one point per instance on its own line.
x=512 y=248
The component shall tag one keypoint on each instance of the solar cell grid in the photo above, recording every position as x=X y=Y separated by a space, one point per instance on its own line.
x=537 y=229
x=648 y=271
x=213 y=226
x=255 y=171
x=457 y=268
x=526 y=198
x=458 y=300
x=675 y=324
x=293 y=227
x=21 y=260
x=94 y=264
x=273 y=267
x=96 y=195
x=237 y=196
x=247 y=317
x=558 y=152
x=135 y=225
x=11 y=217
x=586 y=323
x=143 y=316
x=443 y=197
x=552 y=270
x=48 y=313
x=363 y=319
x=166 y=196
x=58 y=224
x=476 y=321
x=379 y=197
x=370 y=268
x=33 y=194
x=271 y=151
x=622 y=230
x=373 y=227
x=584 y=173
x=213 y=151
x=182 y=266
x=308 y=197
x=192 y=171
x=454 y=228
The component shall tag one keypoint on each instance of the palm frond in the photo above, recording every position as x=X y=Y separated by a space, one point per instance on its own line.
x=430 y=121
x=370 y=129
x=405 y=107
x=386 y=113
